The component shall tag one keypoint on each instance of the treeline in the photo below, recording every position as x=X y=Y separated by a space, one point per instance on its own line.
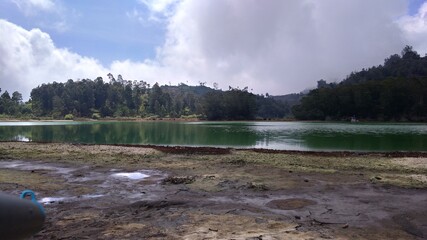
x=395 y=91
x=239 y=104
x=124 y=98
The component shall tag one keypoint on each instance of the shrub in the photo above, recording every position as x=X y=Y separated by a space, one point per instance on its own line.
x=69 y=117
x=96 y=116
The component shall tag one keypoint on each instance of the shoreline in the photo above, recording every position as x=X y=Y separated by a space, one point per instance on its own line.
x=227 y=150
x=137 y=119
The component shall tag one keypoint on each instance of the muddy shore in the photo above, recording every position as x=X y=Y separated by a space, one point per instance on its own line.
x=129 y=192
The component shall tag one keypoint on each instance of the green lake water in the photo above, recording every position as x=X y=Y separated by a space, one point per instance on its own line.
x=271 y=135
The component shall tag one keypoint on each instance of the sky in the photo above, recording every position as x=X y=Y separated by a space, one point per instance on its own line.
x=269 y=46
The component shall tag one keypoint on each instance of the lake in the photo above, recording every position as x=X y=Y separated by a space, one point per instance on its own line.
x=308 y=136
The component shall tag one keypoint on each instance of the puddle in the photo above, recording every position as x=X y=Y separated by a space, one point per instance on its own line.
x=51 y=200
x=131 y=175
x=115 y=183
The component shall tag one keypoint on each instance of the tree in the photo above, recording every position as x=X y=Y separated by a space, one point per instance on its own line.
x=5 y=103
x=392 y=61
x=409 y=53
x=5 y=96
x=159 y=103
x=321 y=83
x=11 y=105
x=214 y=105
x=17 y=97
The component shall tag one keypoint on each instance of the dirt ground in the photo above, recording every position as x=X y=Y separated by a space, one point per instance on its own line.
x=129 y=192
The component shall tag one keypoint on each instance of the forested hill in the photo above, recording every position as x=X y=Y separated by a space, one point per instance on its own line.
x=124 y=98
x=290 y=99
x=407 y=65
x=395 y=91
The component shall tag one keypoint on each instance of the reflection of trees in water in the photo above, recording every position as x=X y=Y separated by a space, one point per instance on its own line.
x=180 y=134
x=218 y=134
x=165 y=133
x=10 y=133
x=366 y=142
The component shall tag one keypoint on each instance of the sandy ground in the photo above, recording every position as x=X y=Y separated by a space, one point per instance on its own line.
x=122 y=192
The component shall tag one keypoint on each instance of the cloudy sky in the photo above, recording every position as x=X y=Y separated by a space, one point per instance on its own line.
x=272 y=46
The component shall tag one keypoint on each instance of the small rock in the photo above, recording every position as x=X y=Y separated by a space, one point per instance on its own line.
x=255 y=238
x=297 y=217
x=306 y=180
x=256 y=186
x=179 y=180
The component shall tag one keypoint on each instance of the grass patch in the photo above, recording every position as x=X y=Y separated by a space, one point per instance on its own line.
x=30 y=180
x=322 y=164
x=401 y=180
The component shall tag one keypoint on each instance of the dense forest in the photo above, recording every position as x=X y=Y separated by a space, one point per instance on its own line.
x=124 y=98
x=395 y=91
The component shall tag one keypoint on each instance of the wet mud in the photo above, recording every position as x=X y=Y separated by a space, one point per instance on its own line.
x=210 y=198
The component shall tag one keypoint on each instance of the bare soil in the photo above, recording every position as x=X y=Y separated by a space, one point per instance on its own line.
x=209 y=193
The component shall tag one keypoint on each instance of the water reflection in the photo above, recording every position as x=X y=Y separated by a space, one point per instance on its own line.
x=283 y=135
x=160 y=133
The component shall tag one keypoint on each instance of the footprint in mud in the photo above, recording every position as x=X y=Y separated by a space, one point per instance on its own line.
x=290 y=204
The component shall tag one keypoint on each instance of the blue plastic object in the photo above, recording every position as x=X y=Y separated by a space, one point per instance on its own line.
x=30 y=193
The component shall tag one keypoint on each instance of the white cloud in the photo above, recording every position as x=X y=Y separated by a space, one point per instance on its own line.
x=30 y=7
x=159 y=10
x=274 y=46
x=159 y=5
x=30 y=58
x=279 y=46
x=415 y=28
x=137 y=15
x=47 y=14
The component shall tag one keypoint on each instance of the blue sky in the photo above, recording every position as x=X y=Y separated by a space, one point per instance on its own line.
x=414 y=5
x=96 y=28
x=270 y=46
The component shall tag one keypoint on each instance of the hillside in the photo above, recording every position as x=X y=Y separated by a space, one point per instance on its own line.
x=407 y=65
x=290 y=99
x=395 y=91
